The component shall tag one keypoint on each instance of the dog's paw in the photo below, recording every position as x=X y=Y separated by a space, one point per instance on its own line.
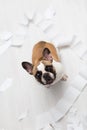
x=64 y=78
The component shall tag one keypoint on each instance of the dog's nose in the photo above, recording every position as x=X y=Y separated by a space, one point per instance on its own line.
x=47 y=77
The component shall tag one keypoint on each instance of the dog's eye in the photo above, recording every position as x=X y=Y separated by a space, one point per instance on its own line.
x=49 y=68
x=38 y=74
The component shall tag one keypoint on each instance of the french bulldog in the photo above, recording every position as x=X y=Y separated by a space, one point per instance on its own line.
x=46 y=65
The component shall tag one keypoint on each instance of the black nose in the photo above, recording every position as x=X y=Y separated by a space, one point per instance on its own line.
x=48 y=78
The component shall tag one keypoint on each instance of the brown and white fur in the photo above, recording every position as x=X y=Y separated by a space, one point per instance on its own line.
x=46 y=66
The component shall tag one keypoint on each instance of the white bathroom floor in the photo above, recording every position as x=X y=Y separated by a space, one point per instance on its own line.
x=21 y=103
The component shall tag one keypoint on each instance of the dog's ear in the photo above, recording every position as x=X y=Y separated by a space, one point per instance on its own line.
x=28 y=67
x=47 y=55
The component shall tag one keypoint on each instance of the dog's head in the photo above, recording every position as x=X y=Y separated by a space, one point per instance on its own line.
x=45 y=71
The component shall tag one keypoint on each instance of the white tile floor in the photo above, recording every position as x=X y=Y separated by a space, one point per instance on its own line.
x=25 y=95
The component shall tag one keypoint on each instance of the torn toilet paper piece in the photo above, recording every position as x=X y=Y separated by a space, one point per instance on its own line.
x=31 y=15
x=84 y=120
x=48 y=127
x=49 y=13
x=24 y=21
x=71 y=95
x=45 y=25
x=74 y=120
x=63 y=106
x=5 y=36
x=21 y=31
x=17 y=41
x=76 y=40
x=19 y=36
x=84 y=56
x=43 y=120
x=27 y=18
x=67 y=100
x=55 y=114
x=51 y=33
x=72 y=115
x=6 y=84
x=57 y=126
x=74 y=126
x=83 y=71
x=78 y=82
x=5 y=46
x=23 y=116
x=46 y=16
x=79 y=49
x=38 y=18
x=63 y=40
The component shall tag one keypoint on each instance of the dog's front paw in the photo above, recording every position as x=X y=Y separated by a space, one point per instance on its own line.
x=64 y=77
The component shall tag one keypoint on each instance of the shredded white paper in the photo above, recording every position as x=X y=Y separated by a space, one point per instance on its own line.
x=50 y=12
x=74 y=121
x=5 y=46
x=5 y=36
x=23 y=116
x=48 y=127
x=45 y=25
x=80 y=49
x=46 y=120
x=63 y=106
x=63 y=40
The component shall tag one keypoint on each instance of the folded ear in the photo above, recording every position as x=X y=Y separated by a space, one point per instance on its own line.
x=28 y=67
x=47 y=55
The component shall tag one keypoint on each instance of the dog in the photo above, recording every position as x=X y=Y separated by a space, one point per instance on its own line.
x=46 y=65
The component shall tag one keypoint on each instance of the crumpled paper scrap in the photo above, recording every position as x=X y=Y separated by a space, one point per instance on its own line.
x=23 y=115
x=5 y=36
x=45 y=25
x=63 y=40
x=84 y=120
x=83 y=70
x=74 y=120
x=79 y=48
x=28 y=18
x=5 y=46
x=65 y=103
x=78 y=82
x=50 y=12
x=84 y=56
x=48 y=127
x=15 y=39
x=44 y=20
